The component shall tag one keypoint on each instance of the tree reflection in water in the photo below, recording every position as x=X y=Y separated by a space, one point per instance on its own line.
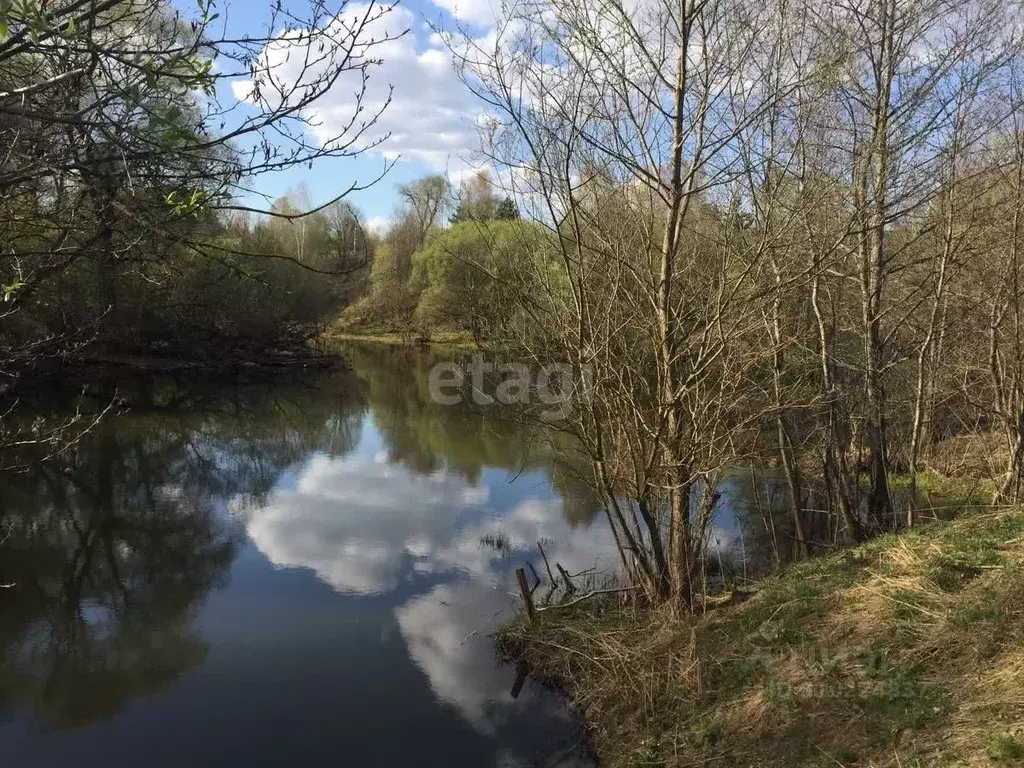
x=115 y=547
x=112 y=547
x=426 y=437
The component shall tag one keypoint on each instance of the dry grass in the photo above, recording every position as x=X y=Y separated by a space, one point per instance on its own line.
x=443 y=341
x=970 y=455
x=907 y=651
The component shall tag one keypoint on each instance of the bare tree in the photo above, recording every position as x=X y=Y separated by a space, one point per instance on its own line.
x=426 y=200
x=618 y=129
x=1001 y=291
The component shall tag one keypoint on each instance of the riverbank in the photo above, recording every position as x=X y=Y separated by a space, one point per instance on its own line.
x=905 y=651
x=454 y=341
x=141 y=380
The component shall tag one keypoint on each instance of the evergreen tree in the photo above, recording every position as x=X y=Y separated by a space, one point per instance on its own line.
x=507 y=210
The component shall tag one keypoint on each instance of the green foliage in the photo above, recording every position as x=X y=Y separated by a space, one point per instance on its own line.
x=448 y=281
x=11 y=289
x=27 y=14
x=507 y=210
x=1006 y=750
x=117 y=178
x=462 y=271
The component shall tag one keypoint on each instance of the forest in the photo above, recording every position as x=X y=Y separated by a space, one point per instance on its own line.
x=125 y=220
x=783 y=234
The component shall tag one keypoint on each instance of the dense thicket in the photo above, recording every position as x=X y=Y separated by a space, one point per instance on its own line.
x=783 y=229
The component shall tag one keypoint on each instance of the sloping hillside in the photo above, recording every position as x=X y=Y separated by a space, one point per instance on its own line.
x=906 y=651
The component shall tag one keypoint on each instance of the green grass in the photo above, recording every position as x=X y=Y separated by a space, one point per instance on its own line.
x=1006 y=750
x=905 y=651
x=445 y=340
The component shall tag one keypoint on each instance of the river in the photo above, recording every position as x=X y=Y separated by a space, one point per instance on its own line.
x=302 y=572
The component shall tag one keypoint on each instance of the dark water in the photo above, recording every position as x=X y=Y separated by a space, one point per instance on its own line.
x=287 y=574
x=268 y=574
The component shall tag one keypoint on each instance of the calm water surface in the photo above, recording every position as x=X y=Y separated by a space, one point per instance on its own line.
x=288 y=574
x=268 y=575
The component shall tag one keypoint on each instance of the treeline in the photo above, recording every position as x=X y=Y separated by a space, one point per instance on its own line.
x=247 y=288
x=440 y=264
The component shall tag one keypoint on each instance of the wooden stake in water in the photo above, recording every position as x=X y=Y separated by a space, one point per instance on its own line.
x=524 y=593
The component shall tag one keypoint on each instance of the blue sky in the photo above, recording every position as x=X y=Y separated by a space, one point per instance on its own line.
x=430 y=119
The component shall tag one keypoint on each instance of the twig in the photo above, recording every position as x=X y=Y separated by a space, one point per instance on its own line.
x=581 y=598
x=536 y=578
x=547 y=565
x=569 y=586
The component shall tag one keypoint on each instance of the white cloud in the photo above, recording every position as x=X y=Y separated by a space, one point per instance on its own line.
x=356 y=522
x=530 y=521
x=431 y=117
x=442 y=632
x=446 y=632
x=353 y=521
x=447 y=629
x=377 y=225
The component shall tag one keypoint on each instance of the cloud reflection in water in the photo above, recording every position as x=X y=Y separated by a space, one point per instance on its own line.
x=356 y=521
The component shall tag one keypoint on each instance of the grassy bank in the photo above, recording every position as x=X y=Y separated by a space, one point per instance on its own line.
x=446 y=340
x=905 y=651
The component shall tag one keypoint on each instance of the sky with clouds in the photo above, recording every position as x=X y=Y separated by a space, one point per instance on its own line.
x=429 y=126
